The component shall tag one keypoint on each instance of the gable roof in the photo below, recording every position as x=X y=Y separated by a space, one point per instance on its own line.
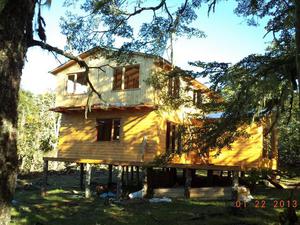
x=92 y=51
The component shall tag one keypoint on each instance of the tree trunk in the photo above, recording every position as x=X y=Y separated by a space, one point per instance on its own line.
x=15 y=29
x=297 y=26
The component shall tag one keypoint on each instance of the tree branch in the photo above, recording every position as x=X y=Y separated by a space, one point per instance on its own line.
x=77 y=59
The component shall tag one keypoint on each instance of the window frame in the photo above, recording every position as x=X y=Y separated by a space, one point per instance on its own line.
x=174 y=140
x=112 y=129
x=75 y=74
x=197 y=97
x=174 y=87
x=123 y=86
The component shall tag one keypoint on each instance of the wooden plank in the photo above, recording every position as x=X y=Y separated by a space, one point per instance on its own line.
x=211 y=193
x=205 y=193
x=145 y=164
x=169 y=192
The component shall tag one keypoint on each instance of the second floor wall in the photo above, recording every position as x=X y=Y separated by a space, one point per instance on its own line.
x=118 y=85
x=122 y=85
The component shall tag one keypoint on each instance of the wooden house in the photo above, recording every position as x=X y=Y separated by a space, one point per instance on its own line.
x=130 y=127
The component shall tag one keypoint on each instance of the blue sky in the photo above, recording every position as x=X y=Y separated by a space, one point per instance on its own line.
x=229 y=39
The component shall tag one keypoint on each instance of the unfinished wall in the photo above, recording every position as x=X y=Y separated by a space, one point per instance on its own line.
x=78 y=136
x=103 y=83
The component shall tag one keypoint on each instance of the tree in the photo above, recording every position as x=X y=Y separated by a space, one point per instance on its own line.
x=37 y=129
x=17 y=35
x=259 y=85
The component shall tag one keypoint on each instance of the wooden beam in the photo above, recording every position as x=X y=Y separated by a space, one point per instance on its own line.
x=88 y=177
x=81 y=175
x=146 y=164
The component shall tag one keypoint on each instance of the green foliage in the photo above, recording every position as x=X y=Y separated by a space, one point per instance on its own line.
x=37 y=127
x=99 y=23
x=289 y=138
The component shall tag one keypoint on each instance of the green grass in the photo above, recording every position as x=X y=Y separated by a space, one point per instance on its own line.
x=61 y=207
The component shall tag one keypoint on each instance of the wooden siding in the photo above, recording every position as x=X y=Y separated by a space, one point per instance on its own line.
x=103 y=83
x=78 y=136
x=78 y=140
x=245 y=153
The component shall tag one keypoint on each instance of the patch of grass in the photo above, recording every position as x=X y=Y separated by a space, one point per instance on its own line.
x=62 y=207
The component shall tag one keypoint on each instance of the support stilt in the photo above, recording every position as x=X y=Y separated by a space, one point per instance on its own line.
x=138 y=175
x=110 y=174
x=122 y=175
x=119 y=182
x=131 y=174
x=210 y=177
x=188 y=182
x=44 y=186
x=127 y=175
x=46 y=172
x=235 y=184
x=81 y=176
x=88 y=177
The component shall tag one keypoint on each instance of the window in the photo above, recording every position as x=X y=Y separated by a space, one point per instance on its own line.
x=117 y=83
x=174 y=86
x=173 y=138
x=108 y=129
x=197 y=98
x=76 y=83
x=132 y=77
x=126 y=77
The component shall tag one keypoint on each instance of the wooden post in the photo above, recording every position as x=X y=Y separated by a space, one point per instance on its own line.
x=235 y=178
x=173 y=173
x=119 y=182
x=131 y=174
x=242 y=174
x=145 y=181
x=210 y=177
x=149 y=173
x=44 y=186
x=188 y=182
x=221 y=173
x=228 y=173
x=88 y=177
x=127 y=175
x=235 y=184
x=122 y=174
x=45 y=172
x=138 y=175
x=81 y=176
x=109 y=174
